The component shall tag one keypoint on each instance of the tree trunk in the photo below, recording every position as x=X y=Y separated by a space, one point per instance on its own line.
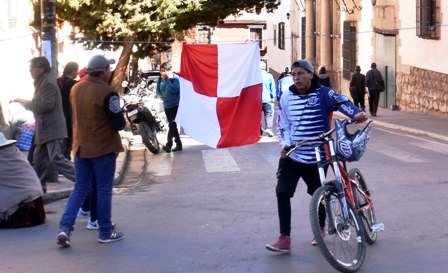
x=134 y=68
x=120 y=69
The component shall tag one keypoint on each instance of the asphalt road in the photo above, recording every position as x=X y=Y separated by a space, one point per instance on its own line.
x=204 y=210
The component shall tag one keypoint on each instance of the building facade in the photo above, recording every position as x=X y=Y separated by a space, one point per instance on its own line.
x=405 y=38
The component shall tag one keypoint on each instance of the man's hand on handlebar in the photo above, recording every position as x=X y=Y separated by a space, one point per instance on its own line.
x=361 y=117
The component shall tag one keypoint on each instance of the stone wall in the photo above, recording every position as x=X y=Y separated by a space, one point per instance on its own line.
x=422 y=91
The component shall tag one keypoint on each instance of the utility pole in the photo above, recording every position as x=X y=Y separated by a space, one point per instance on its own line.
x=48 y=33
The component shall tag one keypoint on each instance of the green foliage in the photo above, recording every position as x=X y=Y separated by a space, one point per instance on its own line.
x=106 y=23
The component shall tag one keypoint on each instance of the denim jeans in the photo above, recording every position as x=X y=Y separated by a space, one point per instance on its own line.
x=103 y=167
x=268 y=115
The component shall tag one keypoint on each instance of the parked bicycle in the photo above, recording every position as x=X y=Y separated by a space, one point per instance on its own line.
x=342 y=215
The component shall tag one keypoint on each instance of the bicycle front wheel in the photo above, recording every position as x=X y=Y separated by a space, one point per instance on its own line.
x=367 y=215
x=342 y=244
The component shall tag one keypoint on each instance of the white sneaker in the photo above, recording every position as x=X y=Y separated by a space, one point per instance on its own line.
x=95 y=226
x=269 y=133
x=83 y=214
x=92 y=225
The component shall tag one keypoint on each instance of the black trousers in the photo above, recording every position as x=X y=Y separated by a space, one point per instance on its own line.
x=374 y=99
x=288 y=174
x=173 y=133
x=360 y=102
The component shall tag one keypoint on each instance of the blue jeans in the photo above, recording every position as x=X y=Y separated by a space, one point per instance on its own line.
x=103 y=167
x=268 y=115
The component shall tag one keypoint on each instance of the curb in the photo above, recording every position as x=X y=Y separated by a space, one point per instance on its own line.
x=410 y=130
x=67 y=186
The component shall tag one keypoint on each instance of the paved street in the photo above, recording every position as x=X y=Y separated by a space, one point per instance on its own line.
x=205 y=210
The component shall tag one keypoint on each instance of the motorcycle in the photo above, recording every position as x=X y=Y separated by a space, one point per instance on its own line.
x=144 y=111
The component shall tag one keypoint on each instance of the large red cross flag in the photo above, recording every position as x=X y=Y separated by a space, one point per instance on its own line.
x=220 y=94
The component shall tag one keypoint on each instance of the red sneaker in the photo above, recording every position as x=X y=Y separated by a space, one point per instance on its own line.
x=283 y=244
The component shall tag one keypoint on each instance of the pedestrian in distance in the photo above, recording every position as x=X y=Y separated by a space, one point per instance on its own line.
x=168 y=88
x=358 y=88
x=284 y=83
x=375 y=85
x=304 y=112
x=66 y=82
x=324 y=79
x=97 y=118
x=283 y=74
x=267 y=100
x=50 y=125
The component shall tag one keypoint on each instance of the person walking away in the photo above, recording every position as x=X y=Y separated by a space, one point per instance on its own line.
x=324 y=79
x=267 y=100
x=374 y=80
x=283 y=84
x=97 y=118
x=304 y=112
x=358 y=88
x=66 y=82
x=50 y=125
x=168 y=88
x=284 y=73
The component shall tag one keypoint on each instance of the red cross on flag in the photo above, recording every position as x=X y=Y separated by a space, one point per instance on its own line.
x=220 y=94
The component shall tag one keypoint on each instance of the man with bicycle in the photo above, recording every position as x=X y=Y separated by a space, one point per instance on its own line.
x=305 y=111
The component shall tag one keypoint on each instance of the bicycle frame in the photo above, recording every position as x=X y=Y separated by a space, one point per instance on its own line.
x=344 y=183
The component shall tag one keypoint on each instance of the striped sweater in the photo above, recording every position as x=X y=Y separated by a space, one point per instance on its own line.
x=309 y=115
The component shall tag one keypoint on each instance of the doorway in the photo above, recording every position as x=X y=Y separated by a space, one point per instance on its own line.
x=385 y=52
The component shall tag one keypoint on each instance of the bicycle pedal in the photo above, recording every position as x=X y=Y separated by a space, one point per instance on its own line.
x=378 y=227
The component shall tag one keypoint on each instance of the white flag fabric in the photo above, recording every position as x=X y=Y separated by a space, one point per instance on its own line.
x=220 y=99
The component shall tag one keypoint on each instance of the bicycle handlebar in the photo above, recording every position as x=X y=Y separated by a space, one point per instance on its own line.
x=322 y=136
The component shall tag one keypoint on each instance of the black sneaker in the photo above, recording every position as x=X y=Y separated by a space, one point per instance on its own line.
x=177 y=148
x=63 y=239
x=114 y=236
x=167 y=149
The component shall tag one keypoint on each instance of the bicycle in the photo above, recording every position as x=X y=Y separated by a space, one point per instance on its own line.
x=342 y=215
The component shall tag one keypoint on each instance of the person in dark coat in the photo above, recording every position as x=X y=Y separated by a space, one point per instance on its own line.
x=65 y=82
x=358 y=88
x=324 y=79
x=373 y=80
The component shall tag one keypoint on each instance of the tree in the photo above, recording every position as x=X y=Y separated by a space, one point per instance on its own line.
x=151 y=25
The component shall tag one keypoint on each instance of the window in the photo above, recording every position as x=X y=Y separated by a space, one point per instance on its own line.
x=203 y=35
x=13 y=10
x=348 y=49
x=281 y=35
x=427 y=19
x=256 y=33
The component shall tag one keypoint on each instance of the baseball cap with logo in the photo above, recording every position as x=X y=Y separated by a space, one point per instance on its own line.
x=99 y=63
x=4 y=141
x=305 y=65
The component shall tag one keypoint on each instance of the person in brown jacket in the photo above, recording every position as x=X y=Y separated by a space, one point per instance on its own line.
x=97 y=118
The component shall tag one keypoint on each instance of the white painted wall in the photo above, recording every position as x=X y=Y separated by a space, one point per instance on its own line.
x=277 y=58
x=365 y=35
x=417 y=52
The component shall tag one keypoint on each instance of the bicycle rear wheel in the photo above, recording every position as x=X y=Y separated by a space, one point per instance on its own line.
x=367 y=215
x=344 y=248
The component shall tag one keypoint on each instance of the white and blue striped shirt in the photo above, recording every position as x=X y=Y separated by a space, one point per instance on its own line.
x=305 y=116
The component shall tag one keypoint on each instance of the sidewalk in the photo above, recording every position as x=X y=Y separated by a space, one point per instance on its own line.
x=433 y=126
x=64 y=187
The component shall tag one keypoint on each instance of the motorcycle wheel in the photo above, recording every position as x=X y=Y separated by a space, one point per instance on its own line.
x=149 y=137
